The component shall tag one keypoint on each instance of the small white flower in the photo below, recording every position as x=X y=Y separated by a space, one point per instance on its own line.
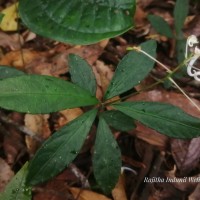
x=191 y=69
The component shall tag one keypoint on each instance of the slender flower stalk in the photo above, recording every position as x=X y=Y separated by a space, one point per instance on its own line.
x=169 y=71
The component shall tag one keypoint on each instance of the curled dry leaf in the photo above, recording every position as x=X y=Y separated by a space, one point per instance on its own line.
x=186 y=154
x=103 y=74
x=87 y=194
x=6 y=174
x=39 y=125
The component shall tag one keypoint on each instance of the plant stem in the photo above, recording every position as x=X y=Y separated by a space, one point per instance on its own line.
x=170 y=73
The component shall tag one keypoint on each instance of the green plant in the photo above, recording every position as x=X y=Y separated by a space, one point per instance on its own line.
x=44 y=94
x=78 y=21
x=163 y=28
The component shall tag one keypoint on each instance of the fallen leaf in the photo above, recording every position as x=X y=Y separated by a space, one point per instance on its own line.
x=9 y=22
x=12 y=41
x=195 y=194
x=103 y=74
x=6 y=174
x=19 y=58
x=186 y=154
x=118 y=192
x=87 y=194
x=68 y=115
x=39 y=125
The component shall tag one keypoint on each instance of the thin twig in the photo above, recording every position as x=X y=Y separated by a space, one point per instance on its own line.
x=19 y=127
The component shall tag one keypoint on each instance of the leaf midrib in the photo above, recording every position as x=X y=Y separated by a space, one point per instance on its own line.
x=164 y=119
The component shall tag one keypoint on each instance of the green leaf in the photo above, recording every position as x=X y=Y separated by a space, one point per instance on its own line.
x=78 y=21
x=41 y=94
x=133 y=68
x=82 y=74
x=106 y=158
x=8 y=72
x=160 y=25
x=60 y=149
x=118 y=120
x=180 y=14
x=16 y=189
x=164 y=118
x=180 y=50
x=1 y=16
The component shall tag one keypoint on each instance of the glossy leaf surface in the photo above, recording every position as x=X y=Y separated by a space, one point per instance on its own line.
x=82 y=74
x=60 y=149
x=16 y=189
x=106 y=158
x=78 y=21
x=132 y=69
x=41 y=94
x=118 y=120
x=164 y=118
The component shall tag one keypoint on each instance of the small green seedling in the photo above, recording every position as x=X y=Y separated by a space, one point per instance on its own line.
x=163 y=28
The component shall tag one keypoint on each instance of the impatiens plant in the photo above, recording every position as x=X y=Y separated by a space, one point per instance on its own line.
x=44 y=94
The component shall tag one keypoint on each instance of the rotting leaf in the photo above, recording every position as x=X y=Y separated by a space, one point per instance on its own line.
x=186 y=154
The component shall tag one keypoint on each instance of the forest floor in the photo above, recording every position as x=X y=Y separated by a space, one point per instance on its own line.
x=145 y=151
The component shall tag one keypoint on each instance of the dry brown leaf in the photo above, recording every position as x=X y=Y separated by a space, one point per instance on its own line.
x=19 y=58
x=12 y=41
x=195 y=194
x=184 y=183
x=87 y=194
x=39 y=125
x=68 y=115
x=151 y=136
x=13 y=145
x=6 y=174
x=186 y=154
x=103 y=74
x=118 y=192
